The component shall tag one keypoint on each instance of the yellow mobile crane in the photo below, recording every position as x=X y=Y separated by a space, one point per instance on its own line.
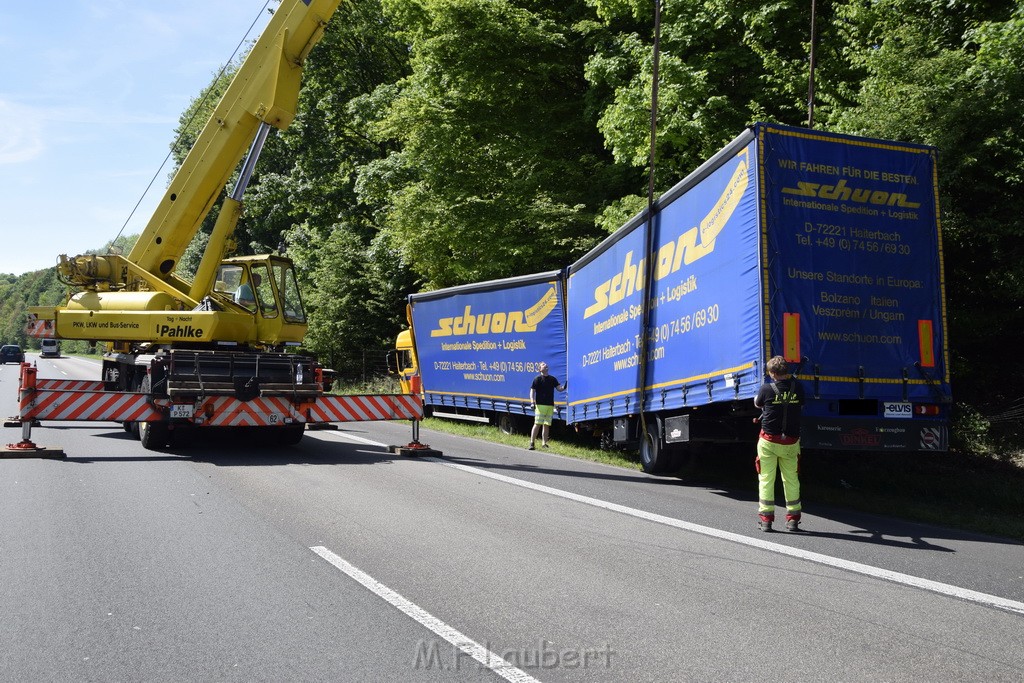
x=210 y=352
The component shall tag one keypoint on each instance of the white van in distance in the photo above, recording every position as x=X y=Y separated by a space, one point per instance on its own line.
x=49 y=348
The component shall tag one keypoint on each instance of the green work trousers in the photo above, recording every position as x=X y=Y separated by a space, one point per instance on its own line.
x=786 y=459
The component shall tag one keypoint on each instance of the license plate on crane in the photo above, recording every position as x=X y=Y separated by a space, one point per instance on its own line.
x=182 y=410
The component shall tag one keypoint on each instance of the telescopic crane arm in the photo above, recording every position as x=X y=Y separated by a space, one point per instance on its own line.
x=139 y=299
x=264 y=92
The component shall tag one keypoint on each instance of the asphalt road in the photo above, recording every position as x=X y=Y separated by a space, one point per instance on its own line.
x=334 y=560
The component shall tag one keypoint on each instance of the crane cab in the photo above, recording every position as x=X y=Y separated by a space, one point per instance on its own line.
x=266 y=287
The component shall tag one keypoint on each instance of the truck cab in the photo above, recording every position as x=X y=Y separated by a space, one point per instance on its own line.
x=402 y=362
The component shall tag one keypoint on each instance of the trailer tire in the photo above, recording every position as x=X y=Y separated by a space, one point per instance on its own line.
x=131 y=426
x=154 y=435
x=509 y=424
x=655 y=456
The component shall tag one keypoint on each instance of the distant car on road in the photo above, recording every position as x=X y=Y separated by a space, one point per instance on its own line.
x=49 y=348
x=11 y=353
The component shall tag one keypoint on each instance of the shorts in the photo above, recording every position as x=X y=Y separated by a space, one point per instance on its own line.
x=543 y=415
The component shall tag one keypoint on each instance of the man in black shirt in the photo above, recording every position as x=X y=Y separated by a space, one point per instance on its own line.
x=542 y=400
x=778 y=447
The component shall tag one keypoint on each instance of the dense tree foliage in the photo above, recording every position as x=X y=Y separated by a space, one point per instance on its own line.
x=445 y=141
x=498 y=166
x=950 y=75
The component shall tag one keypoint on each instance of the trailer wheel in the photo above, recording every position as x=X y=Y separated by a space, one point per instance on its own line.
x=656 y=457
x=131 y=426
x=509 y=424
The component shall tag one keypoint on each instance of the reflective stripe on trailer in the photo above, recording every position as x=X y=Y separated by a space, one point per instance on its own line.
x=366 y=408
x=70 y=384
x=101 y=406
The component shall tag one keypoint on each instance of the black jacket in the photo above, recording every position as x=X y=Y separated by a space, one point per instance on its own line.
x=780 y=404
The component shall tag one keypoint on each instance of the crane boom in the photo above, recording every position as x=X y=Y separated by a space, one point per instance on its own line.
x=126 y=299
x=265 y=89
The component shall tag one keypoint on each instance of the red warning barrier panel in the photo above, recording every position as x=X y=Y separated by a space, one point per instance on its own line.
x=366 y=408
x=81 y=400
x=39 y=329
x=227 y=411
x=100 y=406
x=70 y=384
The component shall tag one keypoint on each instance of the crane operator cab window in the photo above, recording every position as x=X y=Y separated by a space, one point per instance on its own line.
x=228 y=280
x=250 y=287
x=260 y=282
x=284 y=277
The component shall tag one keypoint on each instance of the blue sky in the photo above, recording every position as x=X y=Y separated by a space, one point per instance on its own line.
x=90 y=95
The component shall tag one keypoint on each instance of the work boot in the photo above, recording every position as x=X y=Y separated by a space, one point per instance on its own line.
x=764 y=522
x=793 y=521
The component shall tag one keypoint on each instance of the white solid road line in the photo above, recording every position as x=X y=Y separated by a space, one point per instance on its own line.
x=465 y=644
x=810 y=556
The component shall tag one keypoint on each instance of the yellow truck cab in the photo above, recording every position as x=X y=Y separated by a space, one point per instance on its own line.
x=402 y=362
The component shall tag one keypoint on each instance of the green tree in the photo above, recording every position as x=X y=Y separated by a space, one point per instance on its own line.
x=944 y=75
x=499 y=170
x=723 y=66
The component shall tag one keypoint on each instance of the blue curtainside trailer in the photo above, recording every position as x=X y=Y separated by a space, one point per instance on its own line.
x=823 y=248
x=478 y=347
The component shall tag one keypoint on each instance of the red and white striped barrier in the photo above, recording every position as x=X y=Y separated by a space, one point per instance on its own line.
x=69 y=384
x=39 y=329
x=85 y=400
x=366 y=408
x=227 y=411
x=102 y=406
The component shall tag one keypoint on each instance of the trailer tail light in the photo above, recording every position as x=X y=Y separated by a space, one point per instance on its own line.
x=926 y=409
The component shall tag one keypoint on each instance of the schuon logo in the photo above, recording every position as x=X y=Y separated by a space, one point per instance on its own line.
x=860 y=437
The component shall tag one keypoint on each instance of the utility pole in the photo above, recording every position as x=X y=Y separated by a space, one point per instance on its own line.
x=649 y=232
x=810 y=78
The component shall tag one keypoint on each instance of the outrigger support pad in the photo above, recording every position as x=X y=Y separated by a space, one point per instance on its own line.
x=26 y=448
x=414 y=448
